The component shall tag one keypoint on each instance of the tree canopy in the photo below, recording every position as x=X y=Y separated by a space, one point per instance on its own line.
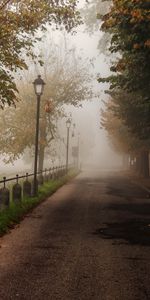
x=128 y=24
x=20 y=22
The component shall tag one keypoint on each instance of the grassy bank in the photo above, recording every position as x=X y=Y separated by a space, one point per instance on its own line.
x=15 y=213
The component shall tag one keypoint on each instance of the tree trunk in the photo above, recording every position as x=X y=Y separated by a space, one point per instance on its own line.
x=131 y=162
x=125 y=161
x=42 y=144
x=138 y=164
x=145 y=164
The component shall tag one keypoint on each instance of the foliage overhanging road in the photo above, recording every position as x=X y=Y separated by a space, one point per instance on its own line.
x=90 y=240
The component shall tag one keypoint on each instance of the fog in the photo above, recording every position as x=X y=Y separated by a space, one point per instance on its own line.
x=95 y=147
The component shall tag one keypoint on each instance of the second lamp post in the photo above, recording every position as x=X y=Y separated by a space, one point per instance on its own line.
x=68 y=124
x=39 y=88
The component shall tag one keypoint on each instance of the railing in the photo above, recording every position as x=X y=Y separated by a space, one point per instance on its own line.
x=20 y=189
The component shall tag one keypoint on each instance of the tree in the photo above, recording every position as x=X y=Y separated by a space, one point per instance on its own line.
x=66 y=84
x=128 y=24
x=91 y=11
x=91 y=14
x=113 y=119
x=121 y=139
x=20 y=22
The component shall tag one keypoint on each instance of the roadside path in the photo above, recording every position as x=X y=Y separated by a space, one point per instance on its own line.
x=88 y=241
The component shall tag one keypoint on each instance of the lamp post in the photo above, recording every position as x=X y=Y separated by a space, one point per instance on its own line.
x=68 y=124
x=38 y=88
x=78 y=154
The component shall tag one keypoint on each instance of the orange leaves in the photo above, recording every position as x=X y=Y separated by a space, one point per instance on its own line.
x=147 y=43
x=121 y=66
x=132 y=12
x=137 y=13
x=49 y=106
x=140 y=45
x=137 y=46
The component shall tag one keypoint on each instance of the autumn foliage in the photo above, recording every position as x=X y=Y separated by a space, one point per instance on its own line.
x=19 y=22
x=128 y=23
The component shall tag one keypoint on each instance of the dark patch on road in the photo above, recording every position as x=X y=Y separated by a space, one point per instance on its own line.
x=126 y=189
x=135 y=259
x=133 y=232
x=134 y=208
x=47 y=247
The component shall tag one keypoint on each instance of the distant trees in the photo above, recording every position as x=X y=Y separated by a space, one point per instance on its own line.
x=128 y=24
x=91 y=13
x=123 y=140
x=19 y=22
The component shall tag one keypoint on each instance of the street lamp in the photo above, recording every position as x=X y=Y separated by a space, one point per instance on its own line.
x=68 y=124
x=78 y=154
x=38 y=88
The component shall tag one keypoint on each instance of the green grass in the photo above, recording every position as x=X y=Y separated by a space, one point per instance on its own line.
x=11 y=216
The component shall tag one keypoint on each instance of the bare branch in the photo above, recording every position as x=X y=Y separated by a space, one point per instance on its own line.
x=4 y=4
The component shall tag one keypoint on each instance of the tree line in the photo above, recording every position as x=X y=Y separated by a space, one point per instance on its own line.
x=126 y=116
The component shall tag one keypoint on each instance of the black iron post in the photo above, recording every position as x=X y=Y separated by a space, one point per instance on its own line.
x=38 y=87
x=67 y=152
x=78 y=154
x=35 y=185
x=68 y=124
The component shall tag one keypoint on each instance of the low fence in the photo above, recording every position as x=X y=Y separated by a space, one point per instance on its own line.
x=23 y=185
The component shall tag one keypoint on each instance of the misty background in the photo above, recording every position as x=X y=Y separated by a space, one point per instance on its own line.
x=95 y=147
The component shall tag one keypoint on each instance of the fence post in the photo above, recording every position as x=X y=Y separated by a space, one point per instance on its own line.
x=53 y=175
x=45 y=176
x=27 y=187
x=49 y=174
x=17 y=191
x=40 y=178
x=59 y=172
x=4 y=196
x=56 y=174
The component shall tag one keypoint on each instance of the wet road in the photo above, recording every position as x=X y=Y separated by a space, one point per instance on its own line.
x=89 y=241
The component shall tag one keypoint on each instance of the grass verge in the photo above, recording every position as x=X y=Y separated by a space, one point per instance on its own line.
x=11 y=216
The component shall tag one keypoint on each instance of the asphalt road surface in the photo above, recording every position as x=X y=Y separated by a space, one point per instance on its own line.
x=89 y=241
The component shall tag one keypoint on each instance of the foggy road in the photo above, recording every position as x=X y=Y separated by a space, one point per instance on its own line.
x=89 y=241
